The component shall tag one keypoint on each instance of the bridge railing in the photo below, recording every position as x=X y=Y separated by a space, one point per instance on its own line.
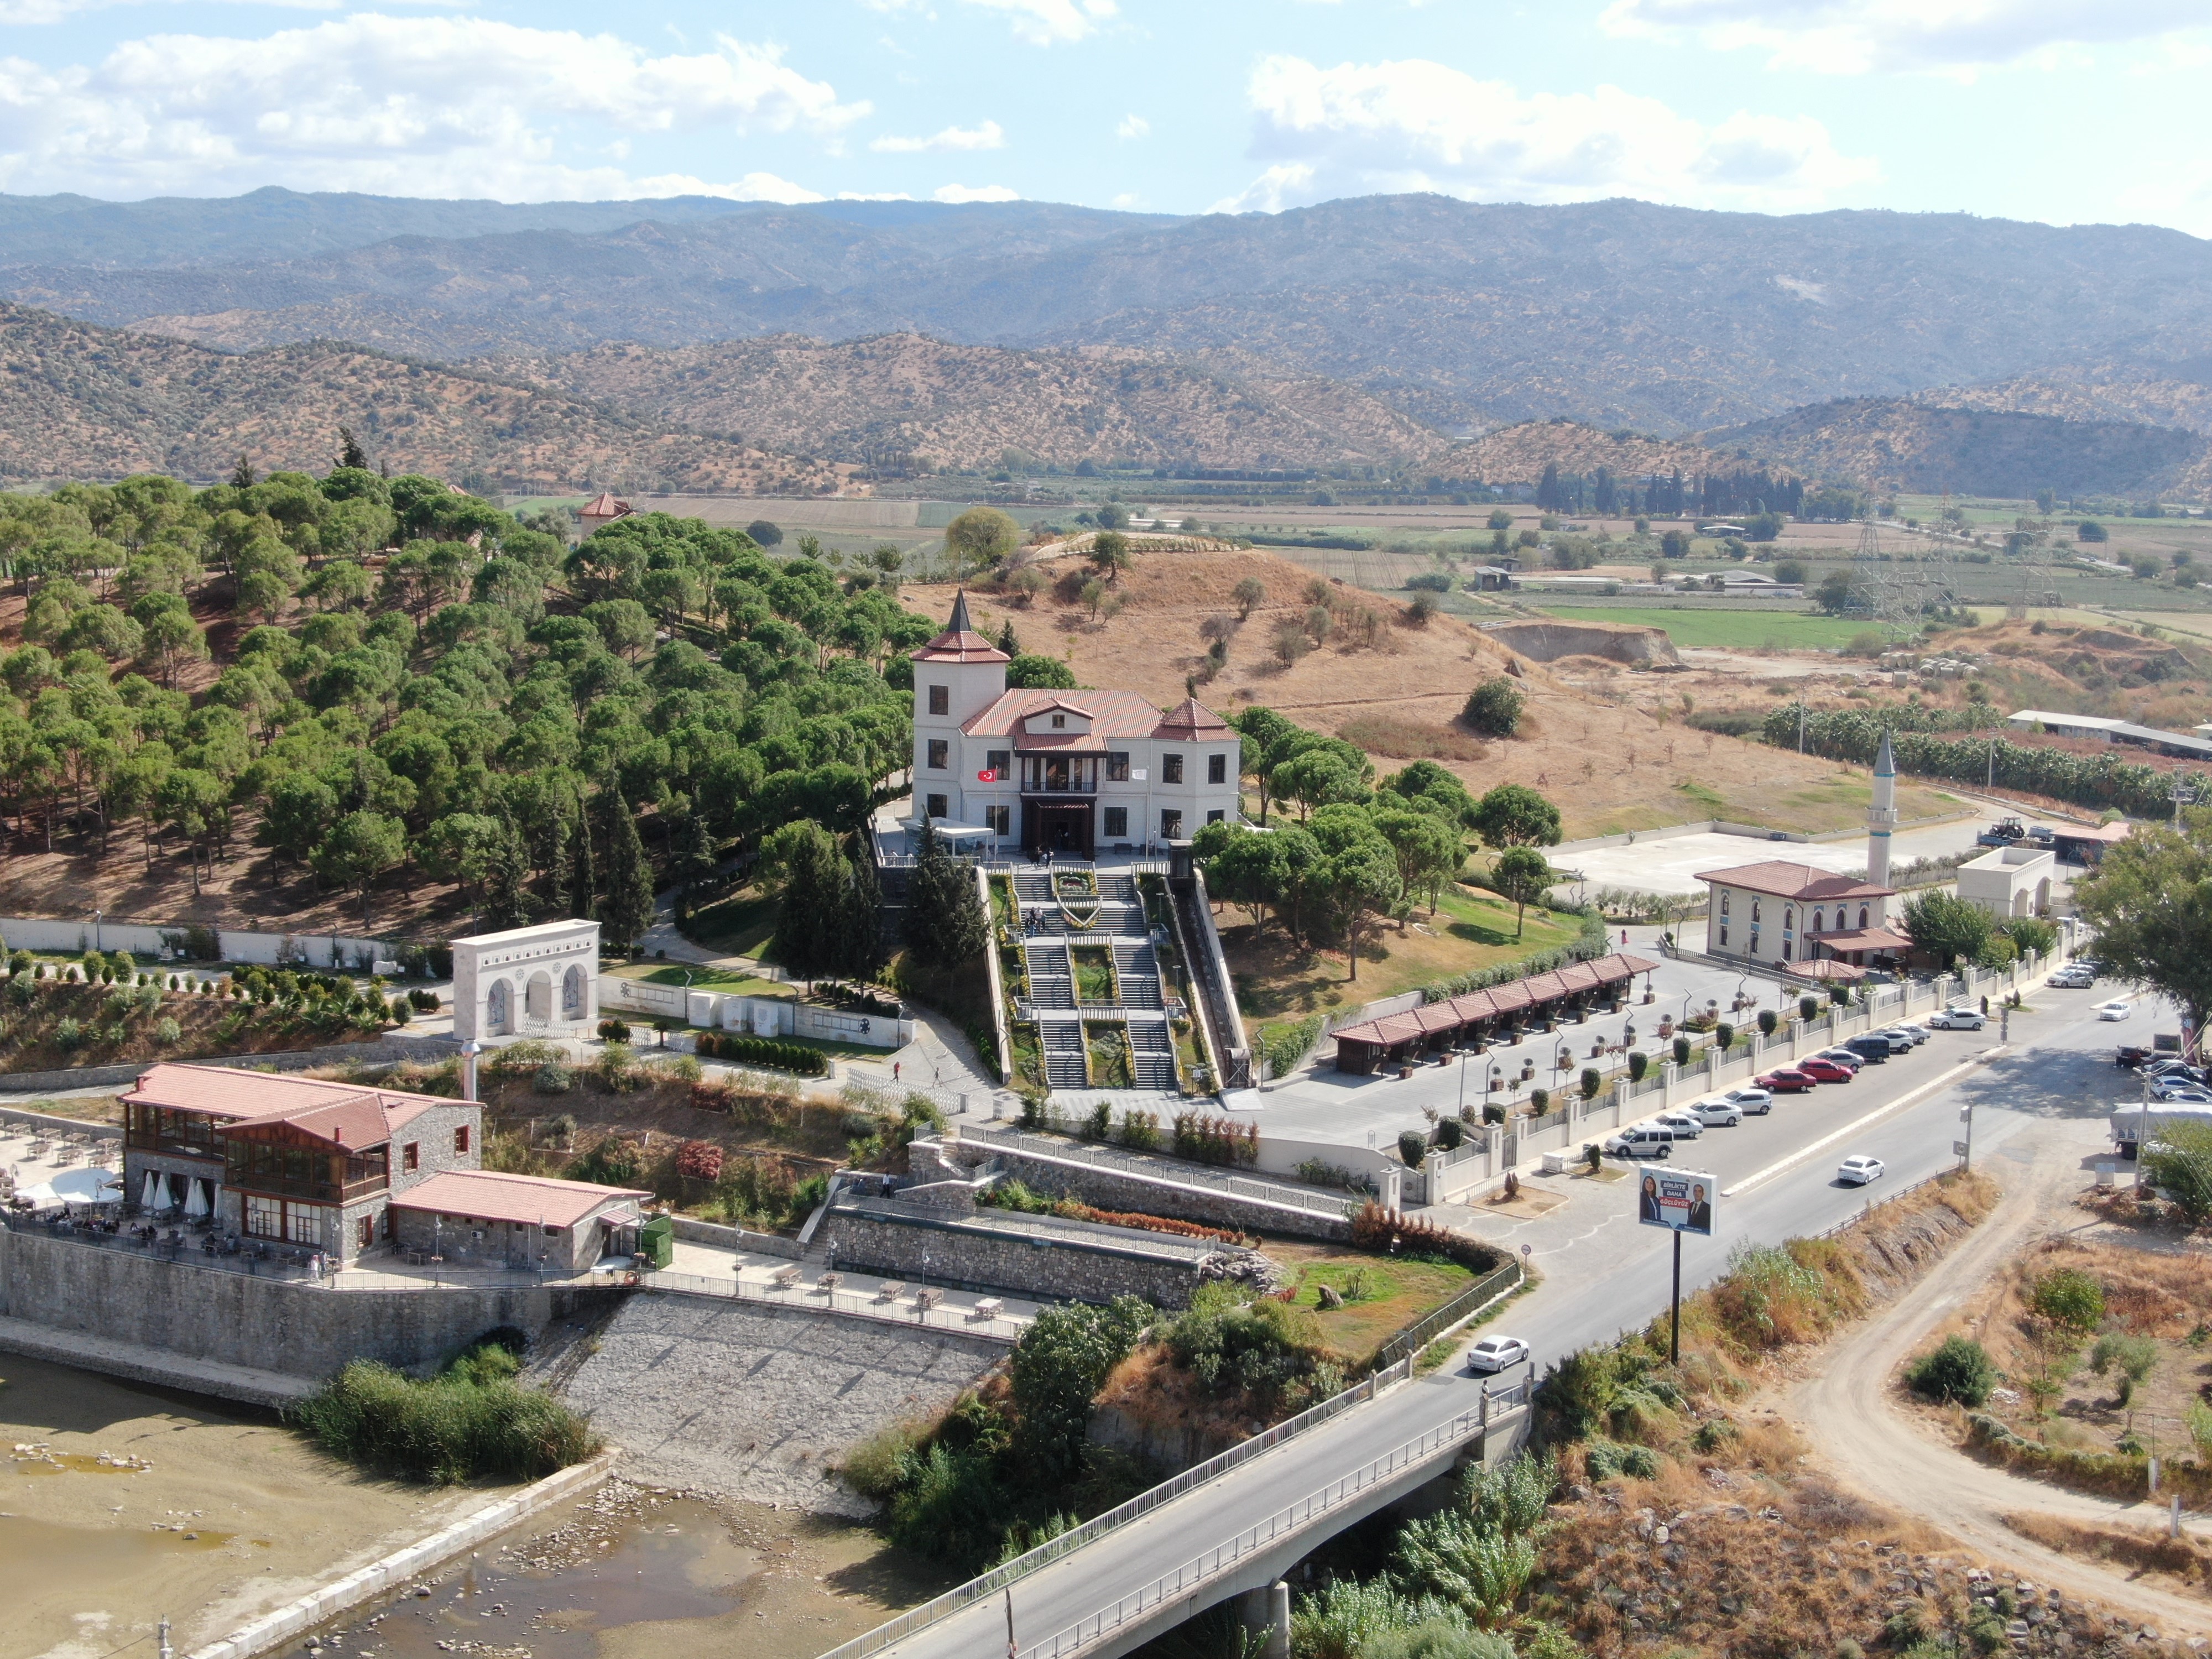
x=1173 y=1586
x=1499 y=1281
x=992 y=1583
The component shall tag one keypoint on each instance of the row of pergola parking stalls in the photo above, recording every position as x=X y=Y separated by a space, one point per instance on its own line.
x=1505 y=1013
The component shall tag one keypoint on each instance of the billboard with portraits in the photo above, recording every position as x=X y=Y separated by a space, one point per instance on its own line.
x=1680 y=1200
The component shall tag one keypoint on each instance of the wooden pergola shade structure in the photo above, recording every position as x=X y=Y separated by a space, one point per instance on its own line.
x=1481 y=1016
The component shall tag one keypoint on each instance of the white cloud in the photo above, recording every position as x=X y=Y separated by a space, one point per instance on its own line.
x=1133 y=126
x=417 y=106
x=1852 y=37
x=977 y=193
x=1417 y=126
x=55 y=11
x=1050 y=22
x=987 y=137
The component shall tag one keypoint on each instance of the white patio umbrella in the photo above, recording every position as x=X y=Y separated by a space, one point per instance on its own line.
x=196 y=1202
x=152 y=1199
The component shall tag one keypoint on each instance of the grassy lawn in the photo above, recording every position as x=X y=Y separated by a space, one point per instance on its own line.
x=740 y=926
x=731 y=980
x=1835 y=803
x=1741 y=631
x=1471 y=929
x=1391 y=1294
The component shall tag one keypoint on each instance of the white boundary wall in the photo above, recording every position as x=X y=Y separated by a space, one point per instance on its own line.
x=347 y=951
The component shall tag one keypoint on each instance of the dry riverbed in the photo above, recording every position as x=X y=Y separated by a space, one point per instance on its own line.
x=207 y=1517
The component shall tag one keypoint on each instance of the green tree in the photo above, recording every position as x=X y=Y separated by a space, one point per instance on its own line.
x=2178 y=1164
x=946 y=926
x=507 y=880
x=1947 y=927
x=1960 y=1369
x=1493 y=708
x=2149 y=903
x=981 y=538
x=1429 y=850
x=1521 y=875
x=1249 y=593
x=1110 y=554
x=625 y=880
x=812 y=919
x=1514 y=815
x=1356 y=878
x=1056 y=1369
x=359 y=848
x=1033 y=672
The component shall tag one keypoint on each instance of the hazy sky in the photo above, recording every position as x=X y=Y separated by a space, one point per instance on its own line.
x=2060 y=109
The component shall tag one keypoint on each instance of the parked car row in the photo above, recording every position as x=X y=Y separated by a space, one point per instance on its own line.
x=1655 y=1137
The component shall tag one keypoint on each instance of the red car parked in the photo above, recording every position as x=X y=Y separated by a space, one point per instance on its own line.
x=1825 y=1071
x=1788 y=1079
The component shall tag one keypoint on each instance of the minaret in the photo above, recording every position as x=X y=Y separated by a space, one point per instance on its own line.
x=1881 y=815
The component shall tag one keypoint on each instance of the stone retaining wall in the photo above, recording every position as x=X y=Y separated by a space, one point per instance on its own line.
x=1063 y=1263
x=297 y=1329
x=1109 y=1187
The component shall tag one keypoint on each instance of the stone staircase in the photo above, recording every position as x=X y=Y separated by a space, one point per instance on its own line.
x=1049 y=941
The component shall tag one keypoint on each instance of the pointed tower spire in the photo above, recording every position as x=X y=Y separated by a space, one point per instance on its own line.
x=960 y=624
x=1881 y=813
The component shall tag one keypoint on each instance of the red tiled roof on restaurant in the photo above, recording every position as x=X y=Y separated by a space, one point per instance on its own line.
x=496 y=1195
x=237 y=1096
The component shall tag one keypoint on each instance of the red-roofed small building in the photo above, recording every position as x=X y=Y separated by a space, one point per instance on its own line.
x=602 y=509
x=1066 y=772
x=1780 y=914
x=326 y=1166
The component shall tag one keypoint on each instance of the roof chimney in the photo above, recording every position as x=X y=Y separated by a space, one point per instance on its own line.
x=469 y=1050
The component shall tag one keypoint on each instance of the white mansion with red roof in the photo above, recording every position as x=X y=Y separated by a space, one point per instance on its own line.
x=1069 y=772
x=345 y=1168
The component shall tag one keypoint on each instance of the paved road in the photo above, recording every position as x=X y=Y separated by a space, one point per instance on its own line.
x=1602 y=1273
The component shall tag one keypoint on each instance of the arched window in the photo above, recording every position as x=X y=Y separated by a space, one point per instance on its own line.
x=1862 y=915
x=1754 y=913
x=496 y=1009
x=1724 y=902
x=572 y=993
x=1816 y=921
x=1788 y=917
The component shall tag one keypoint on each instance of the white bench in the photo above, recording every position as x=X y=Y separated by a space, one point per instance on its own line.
x=891 y=1291
x=989 y=1307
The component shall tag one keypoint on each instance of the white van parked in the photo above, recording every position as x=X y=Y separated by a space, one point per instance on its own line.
x=1646 y=1140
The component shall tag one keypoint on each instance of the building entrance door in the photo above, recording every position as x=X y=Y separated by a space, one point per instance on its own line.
x=1058 y=827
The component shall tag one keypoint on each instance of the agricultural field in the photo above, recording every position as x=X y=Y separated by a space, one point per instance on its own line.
x=1697 y=627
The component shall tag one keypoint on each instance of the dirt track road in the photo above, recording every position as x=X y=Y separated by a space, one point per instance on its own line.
x=1865 y=1442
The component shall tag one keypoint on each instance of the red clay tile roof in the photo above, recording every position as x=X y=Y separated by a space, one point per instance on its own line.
x=496 y=1196
x=1192 y=720
x=238 y=1096
x=1782 y=879
x=1112 y=714
x=604 y=506
x=1450 y=1015
x=1863 y=939
x=960 y=643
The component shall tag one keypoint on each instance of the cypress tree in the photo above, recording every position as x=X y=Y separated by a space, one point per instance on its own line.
x=860 y=942
x=809 y=928
x=945 y=920
x=625 y=880
x=507 y=883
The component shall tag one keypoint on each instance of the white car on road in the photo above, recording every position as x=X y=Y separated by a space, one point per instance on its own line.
x=1718 y=1114
x=1685 y=1123
x=1857 y=1171
x=2117 y=1008
x=1752 y=1103
x=1956 y=1019
x=1496 y=1354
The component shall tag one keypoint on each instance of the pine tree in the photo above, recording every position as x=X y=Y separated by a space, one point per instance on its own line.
x=241 y=476
x=691 y=850
x=945 y=921
x=625 y=880
x=1007 y=642
x=350 y=453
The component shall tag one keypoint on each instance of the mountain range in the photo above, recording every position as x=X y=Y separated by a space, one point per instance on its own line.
x=1375 y=329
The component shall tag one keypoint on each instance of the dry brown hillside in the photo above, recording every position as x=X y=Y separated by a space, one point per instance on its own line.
x=905 y=395
x=85 y=402
x=1522 y=451
x=1613 y=757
